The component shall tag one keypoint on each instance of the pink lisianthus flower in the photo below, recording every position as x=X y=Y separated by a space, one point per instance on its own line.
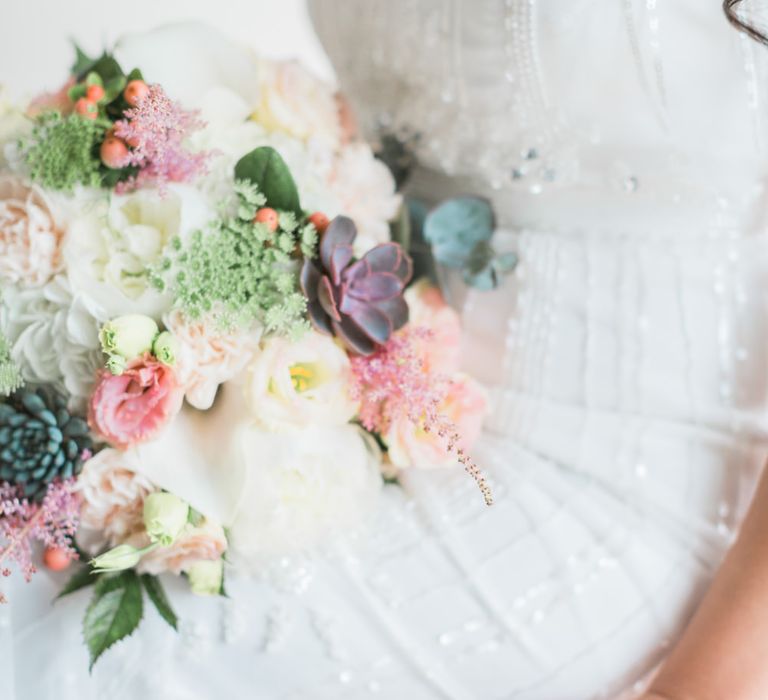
x=462 y=409
x=441 y=347
x=133 y=406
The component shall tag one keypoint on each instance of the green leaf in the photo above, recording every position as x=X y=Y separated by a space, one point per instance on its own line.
x=194 y=517
x=114 y=88
x=135 y=74
x=93 y=78
x=265 y=168
x=106 y=67
x=82 y=62
x=400 y=227
x=157 y=595
x=114 y=612
x=80 y=579
x=76 y=92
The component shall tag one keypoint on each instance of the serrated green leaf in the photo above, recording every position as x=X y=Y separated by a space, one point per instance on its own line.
x=80 y=579
x=156 y=594
x=266 y=169
x=114 y=612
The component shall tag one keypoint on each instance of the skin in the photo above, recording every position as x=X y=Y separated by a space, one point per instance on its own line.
x=724 y=651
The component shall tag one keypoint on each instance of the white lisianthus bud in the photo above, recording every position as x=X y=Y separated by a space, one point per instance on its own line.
x=205 y=577
x=165 y=517
x=118 y=559
x=166 y=348
x=129 y=336
x=116 y=364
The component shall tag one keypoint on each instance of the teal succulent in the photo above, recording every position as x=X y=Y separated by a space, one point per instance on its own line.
x=40 y=441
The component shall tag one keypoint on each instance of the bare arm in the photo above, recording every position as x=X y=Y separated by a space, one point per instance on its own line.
x=723 y=654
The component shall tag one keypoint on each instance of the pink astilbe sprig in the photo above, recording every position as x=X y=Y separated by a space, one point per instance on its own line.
x=155 y=130
x=51 y=522
x=393 y=382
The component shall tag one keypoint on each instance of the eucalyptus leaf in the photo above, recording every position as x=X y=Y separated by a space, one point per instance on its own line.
x=157 y=595
x=80 y=579
x=266 y=169
x=113 y=613
x=506 y=262
x=484 y=279
x=455 y=227
x=459 y=231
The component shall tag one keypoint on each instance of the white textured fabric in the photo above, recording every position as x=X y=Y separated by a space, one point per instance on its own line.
x=622 y=144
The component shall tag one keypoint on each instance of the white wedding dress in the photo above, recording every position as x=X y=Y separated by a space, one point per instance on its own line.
x=623 y=145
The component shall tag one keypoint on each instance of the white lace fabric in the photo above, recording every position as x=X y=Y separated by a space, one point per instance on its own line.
x=623 y=147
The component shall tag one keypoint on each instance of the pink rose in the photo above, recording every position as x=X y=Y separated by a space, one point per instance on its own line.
x=427 y=309
x=134 y=406
x=410 y=445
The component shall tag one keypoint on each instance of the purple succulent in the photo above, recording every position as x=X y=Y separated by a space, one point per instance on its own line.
x=360 y=301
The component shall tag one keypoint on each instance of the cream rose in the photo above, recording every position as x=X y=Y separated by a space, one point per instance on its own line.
x=294 y=101
x=111 y=247
x=300 y=383
x=209 y=355
x=30 y=238
x=409 y=445
x=365 y=190
x=206 y=542
x=113 y=495
x=299 y=494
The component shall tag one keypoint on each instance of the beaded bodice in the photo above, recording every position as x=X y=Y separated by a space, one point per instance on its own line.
x=656 y=104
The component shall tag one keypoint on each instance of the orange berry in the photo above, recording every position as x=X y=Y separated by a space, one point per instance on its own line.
x=268 y=216
x=135 y=92
x=56 y=559
x=94 y=93
x=85 y=108
x=113 y=152
x=320 y=221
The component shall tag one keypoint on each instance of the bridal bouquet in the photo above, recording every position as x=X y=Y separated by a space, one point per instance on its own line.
x=212 y=351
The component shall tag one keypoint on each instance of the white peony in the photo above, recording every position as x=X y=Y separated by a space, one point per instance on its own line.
x=301 y=494
x=54 y=333
x=295 y=102
x=111 y=247
x=365 y=190
x=208 y=355
x=296 y=384
x=189 y=59
x=113 y=494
